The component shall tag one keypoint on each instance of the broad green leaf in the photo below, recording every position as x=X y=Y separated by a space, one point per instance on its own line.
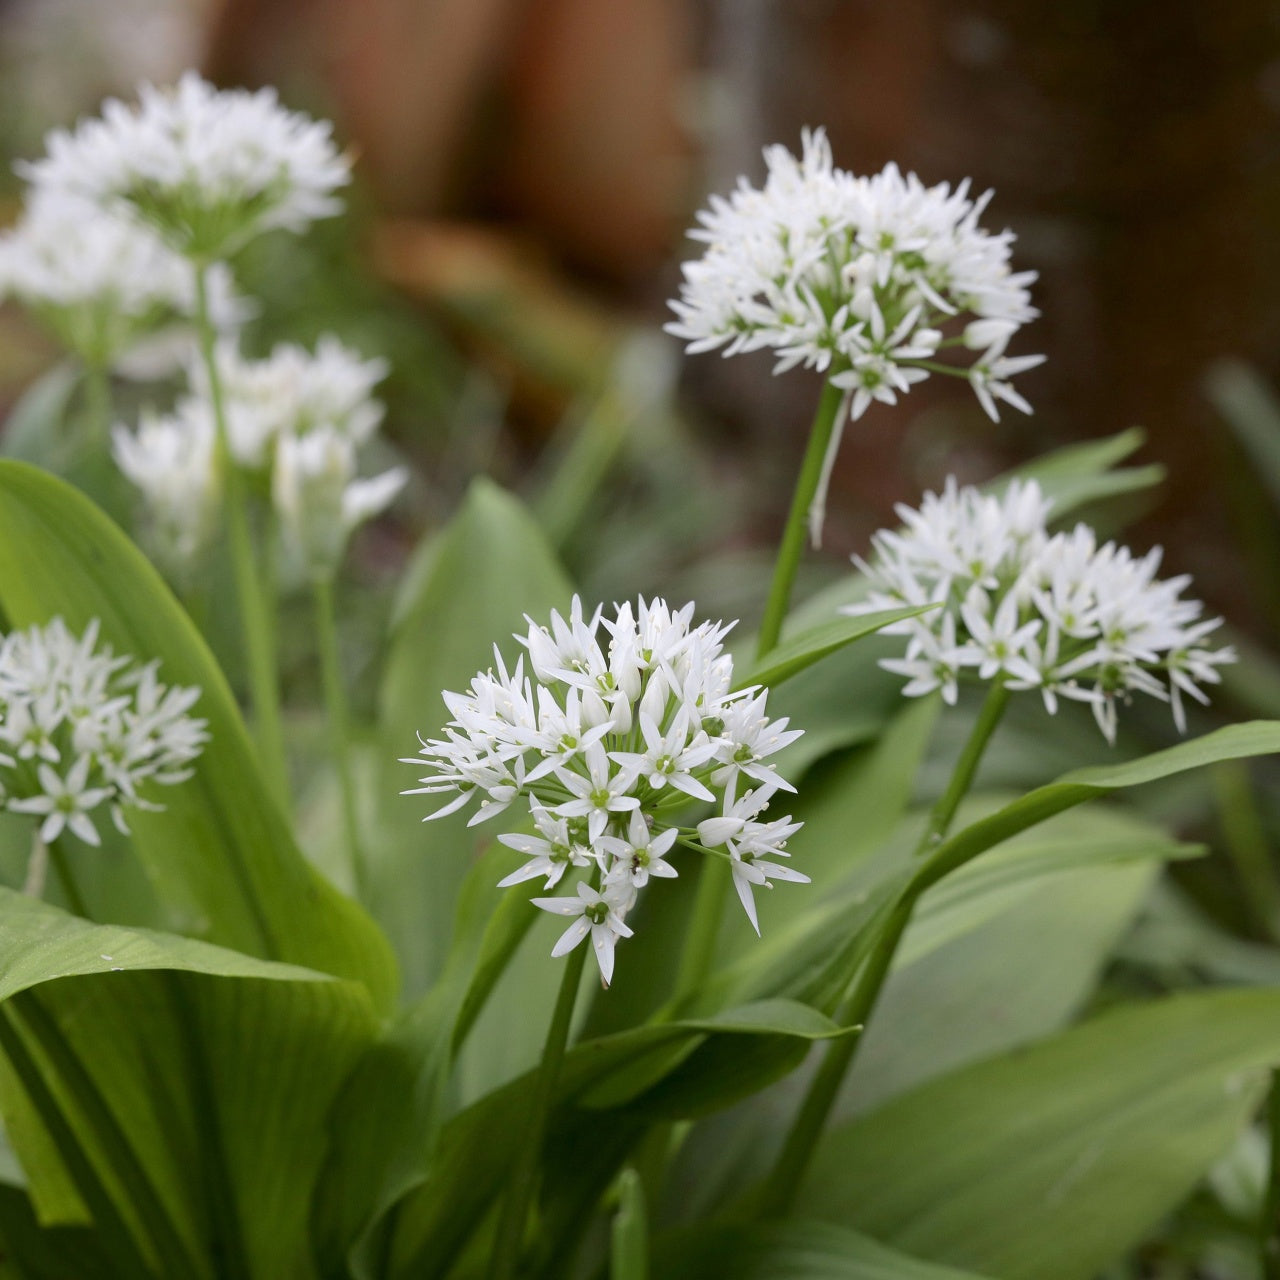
x=1235 y=742
x=491 y=566
x=1095 y=837
x=1080 y=474
x=797 y=652
x=1087 y=458
x=391 y=1107
x=220 y=851
x=473 y=1156
x=1176 y=943
x=795 y=1250
x=1069 y=496
x=1050 y=1163
x=1024 y=972
x=1010 y=958
x=200 y=1076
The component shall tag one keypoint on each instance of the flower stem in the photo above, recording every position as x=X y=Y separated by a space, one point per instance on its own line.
x=339 y=721
x=253 y=610
x=966 y=766
x=515 y=1209
x=784 y=1180
x=37 y=867
x=66 y=880
x=793 y=536
x=704 y=928
x=97 y=404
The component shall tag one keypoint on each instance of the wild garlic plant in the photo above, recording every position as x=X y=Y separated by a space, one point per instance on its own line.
x=207 y=171
x=1016 y=608
x=621 y=772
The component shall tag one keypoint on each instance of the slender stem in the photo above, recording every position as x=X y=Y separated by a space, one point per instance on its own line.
x=1269 y=1227
x=1246 y=842
x=515 y=1209
x=704 y=929
x=793 y=536
x=66 y=880
x=784 y=1180
x=787 y=1174
x=966 y=766
x=713 y=884
x=339 y=724
x=37 y=867
x=253 y=611
x=97 y=402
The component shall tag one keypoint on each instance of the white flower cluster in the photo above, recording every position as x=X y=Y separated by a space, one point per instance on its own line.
x=293 y=392
x=81 y=728
x=1058 y=613
x=100 y=283
x=864 y=278
x=207 y=169
x=607 y=744
x=296 y=419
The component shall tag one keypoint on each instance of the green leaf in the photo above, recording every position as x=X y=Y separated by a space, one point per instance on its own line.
x=196 y=1081
x=797 y=652
x=1023 y=972
x=31 y=1251
x=221 y=851
x=1081 y=474
x=1097 y=837
x=1235 y=742
x=390 y=1110
x=996 y=956
x=36 y=428
x=488 y=568
x=1088 y=458
x=796 y=1250
x=1049 y=1163
x=629 y=1238
x=473 y=1157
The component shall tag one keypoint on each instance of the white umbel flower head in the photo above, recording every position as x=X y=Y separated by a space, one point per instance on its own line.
x=623 y=723
x=294 y=422
x=207 y=169
x=861 y=278
x=82 y=730
x=1034 y=610
x=319 y=500
x=291 y=392
x=172 y=460
x=100 y=283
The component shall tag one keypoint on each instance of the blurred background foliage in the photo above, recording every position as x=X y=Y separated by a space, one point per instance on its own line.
x=526 y=170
